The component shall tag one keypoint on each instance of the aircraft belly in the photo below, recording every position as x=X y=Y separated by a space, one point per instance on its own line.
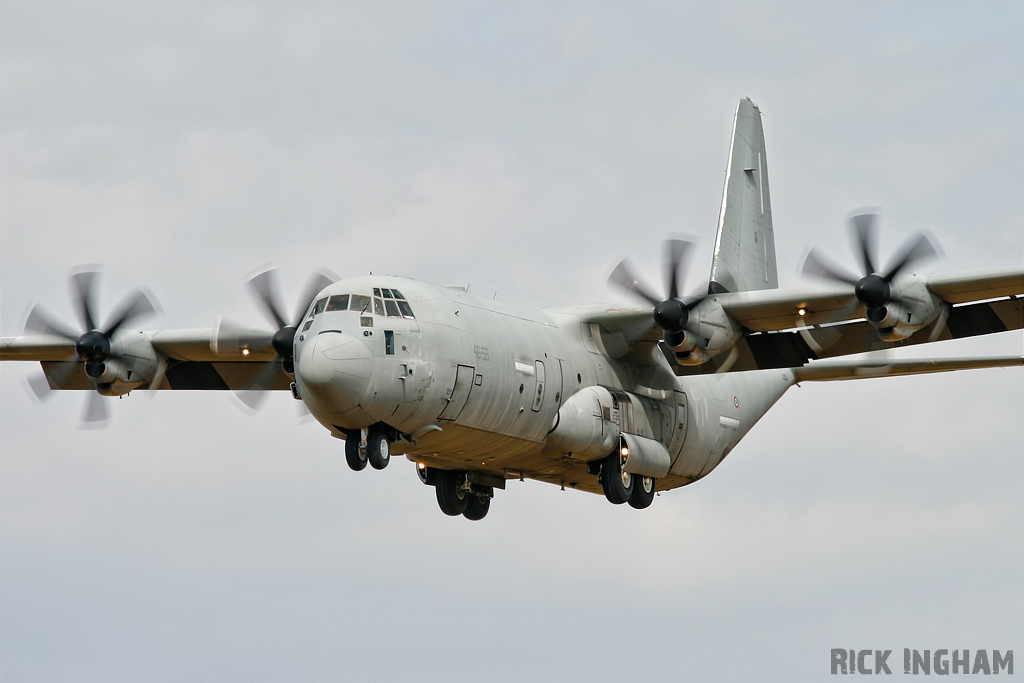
x=460 y=447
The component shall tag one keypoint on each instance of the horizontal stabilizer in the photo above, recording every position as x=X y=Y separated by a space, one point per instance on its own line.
x=862 y=369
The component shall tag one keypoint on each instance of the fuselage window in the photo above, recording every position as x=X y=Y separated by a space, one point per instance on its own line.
x=392 y=308
x=338 y=302
x=358 y=302
x=319 y=307
x=389 y=342
x=378 y=306
x=403 y=306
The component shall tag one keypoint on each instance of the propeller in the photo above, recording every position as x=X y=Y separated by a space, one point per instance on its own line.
x=265 y=290
x=874 y=288
x=671 y=314
x=93 y=345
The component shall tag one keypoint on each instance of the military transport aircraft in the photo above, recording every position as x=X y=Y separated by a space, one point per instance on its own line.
x=623 y=399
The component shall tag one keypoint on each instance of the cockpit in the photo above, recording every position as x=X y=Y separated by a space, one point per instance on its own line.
x=385 y=302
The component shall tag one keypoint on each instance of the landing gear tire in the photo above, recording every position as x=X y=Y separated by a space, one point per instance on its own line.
x=643 y=493
x=477 y=507
x=378 y=448
x=618 y=485
x=355 y=459
x=452 y=498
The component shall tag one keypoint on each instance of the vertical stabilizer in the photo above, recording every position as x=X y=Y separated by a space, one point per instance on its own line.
x=745 y=246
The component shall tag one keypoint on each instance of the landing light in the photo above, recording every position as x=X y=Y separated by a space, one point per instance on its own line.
x=421 y=466
x=624 y=451
x=802 y=311
x=245 y=352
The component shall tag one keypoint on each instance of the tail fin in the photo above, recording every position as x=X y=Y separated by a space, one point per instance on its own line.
x=745 y=247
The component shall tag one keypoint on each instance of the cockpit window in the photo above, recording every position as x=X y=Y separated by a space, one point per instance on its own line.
x=390 y=304
x=358 y=302
x=338 y=302
x=376 y=291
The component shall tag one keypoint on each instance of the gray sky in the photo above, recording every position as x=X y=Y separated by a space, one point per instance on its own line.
x=518 y=148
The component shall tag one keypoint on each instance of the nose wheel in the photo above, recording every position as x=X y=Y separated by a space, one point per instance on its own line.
x=355 y=454
x=378 y=448
x=372 y=445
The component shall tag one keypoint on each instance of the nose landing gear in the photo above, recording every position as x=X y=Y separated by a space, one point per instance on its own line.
x=378 y=448
x=372 y=445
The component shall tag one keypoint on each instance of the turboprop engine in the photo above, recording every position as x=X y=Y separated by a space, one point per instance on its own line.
x=696 y=328
x=911 y=306
x=710 y=332
x=895 y=309
x=129 y=363
x=115 y=359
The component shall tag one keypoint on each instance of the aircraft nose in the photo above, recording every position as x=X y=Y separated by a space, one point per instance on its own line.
x=334 y=370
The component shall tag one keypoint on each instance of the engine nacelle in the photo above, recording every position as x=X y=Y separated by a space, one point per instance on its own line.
x=583 y=425
x=913 y=306
x=133 y=363
x=711 y=331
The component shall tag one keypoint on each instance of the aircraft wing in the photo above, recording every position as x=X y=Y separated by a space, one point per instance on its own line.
x=977 y=285
x=777 y=336
x=796 y=347
x=196 y=359
x=778 y=309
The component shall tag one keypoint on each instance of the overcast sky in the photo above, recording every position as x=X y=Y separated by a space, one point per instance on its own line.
x=519 y=148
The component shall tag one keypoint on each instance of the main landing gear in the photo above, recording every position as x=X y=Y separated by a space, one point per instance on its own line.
x=621 y=486
x=456 y=495
x=372 y=445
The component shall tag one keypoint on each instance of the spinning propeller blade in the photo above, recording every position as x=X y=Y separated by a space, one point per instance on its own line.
x=873 y=289
x=671 y=314
x=266 y=291
x=93 y=344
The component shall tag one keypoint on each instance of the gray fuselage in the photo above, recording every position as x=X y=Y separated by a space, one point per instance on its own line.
x=479 y=383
